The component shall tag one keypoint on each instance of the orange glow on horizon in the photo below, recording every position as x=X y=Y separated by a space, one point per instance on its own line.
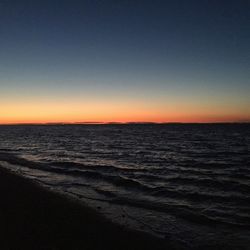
x=126 y=118
x=78 y=111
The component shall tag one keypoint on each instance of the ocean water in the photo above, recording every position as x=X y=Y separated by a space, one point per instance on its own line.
x=187 y=183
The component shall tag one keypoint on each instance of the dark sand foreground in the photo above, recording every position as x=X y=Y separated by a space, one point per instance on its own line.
x=34 y=218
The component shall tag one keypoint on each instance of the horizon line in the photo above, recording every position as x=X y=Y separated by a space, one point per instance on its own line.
x=121 y=123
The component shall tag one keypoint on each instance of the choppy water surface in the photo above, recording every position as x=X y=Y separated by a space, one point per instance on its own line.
x=187 y=183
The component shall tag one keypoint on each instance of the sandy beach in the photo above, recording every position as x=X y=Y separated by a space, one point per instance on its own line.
x=34 y=218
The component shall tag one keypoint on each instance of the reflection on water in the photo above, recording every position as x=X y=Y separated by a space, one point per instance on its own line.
x=185 y=182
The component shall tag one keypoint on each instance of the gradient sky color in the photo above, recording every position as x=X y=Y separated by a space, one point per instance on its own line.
x=104 y=61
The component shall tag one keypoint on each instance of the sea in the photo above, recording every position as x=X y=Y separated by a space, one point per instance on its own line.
x=186 y=183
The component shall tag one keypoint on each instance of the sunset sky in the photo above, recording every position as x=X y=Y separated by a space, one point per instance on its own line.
x=133 y=60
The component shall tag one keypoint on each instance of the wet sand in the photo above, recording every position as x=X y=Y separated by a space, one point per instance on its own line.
x=34 y=218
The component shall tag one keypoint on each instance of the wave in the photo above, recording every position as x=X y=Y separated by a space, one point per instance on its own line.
x=236 y=192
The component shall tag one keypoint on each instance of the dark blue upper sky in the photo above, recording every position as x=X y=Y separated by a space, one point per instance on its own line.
x=157 y=51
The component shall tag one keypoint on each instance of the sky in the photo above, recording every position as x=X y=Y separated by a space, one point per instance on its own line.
x=124 y=61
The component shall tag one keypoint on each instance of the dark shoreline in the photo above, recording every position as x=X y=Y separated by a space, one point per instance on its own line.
x=34 y=218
